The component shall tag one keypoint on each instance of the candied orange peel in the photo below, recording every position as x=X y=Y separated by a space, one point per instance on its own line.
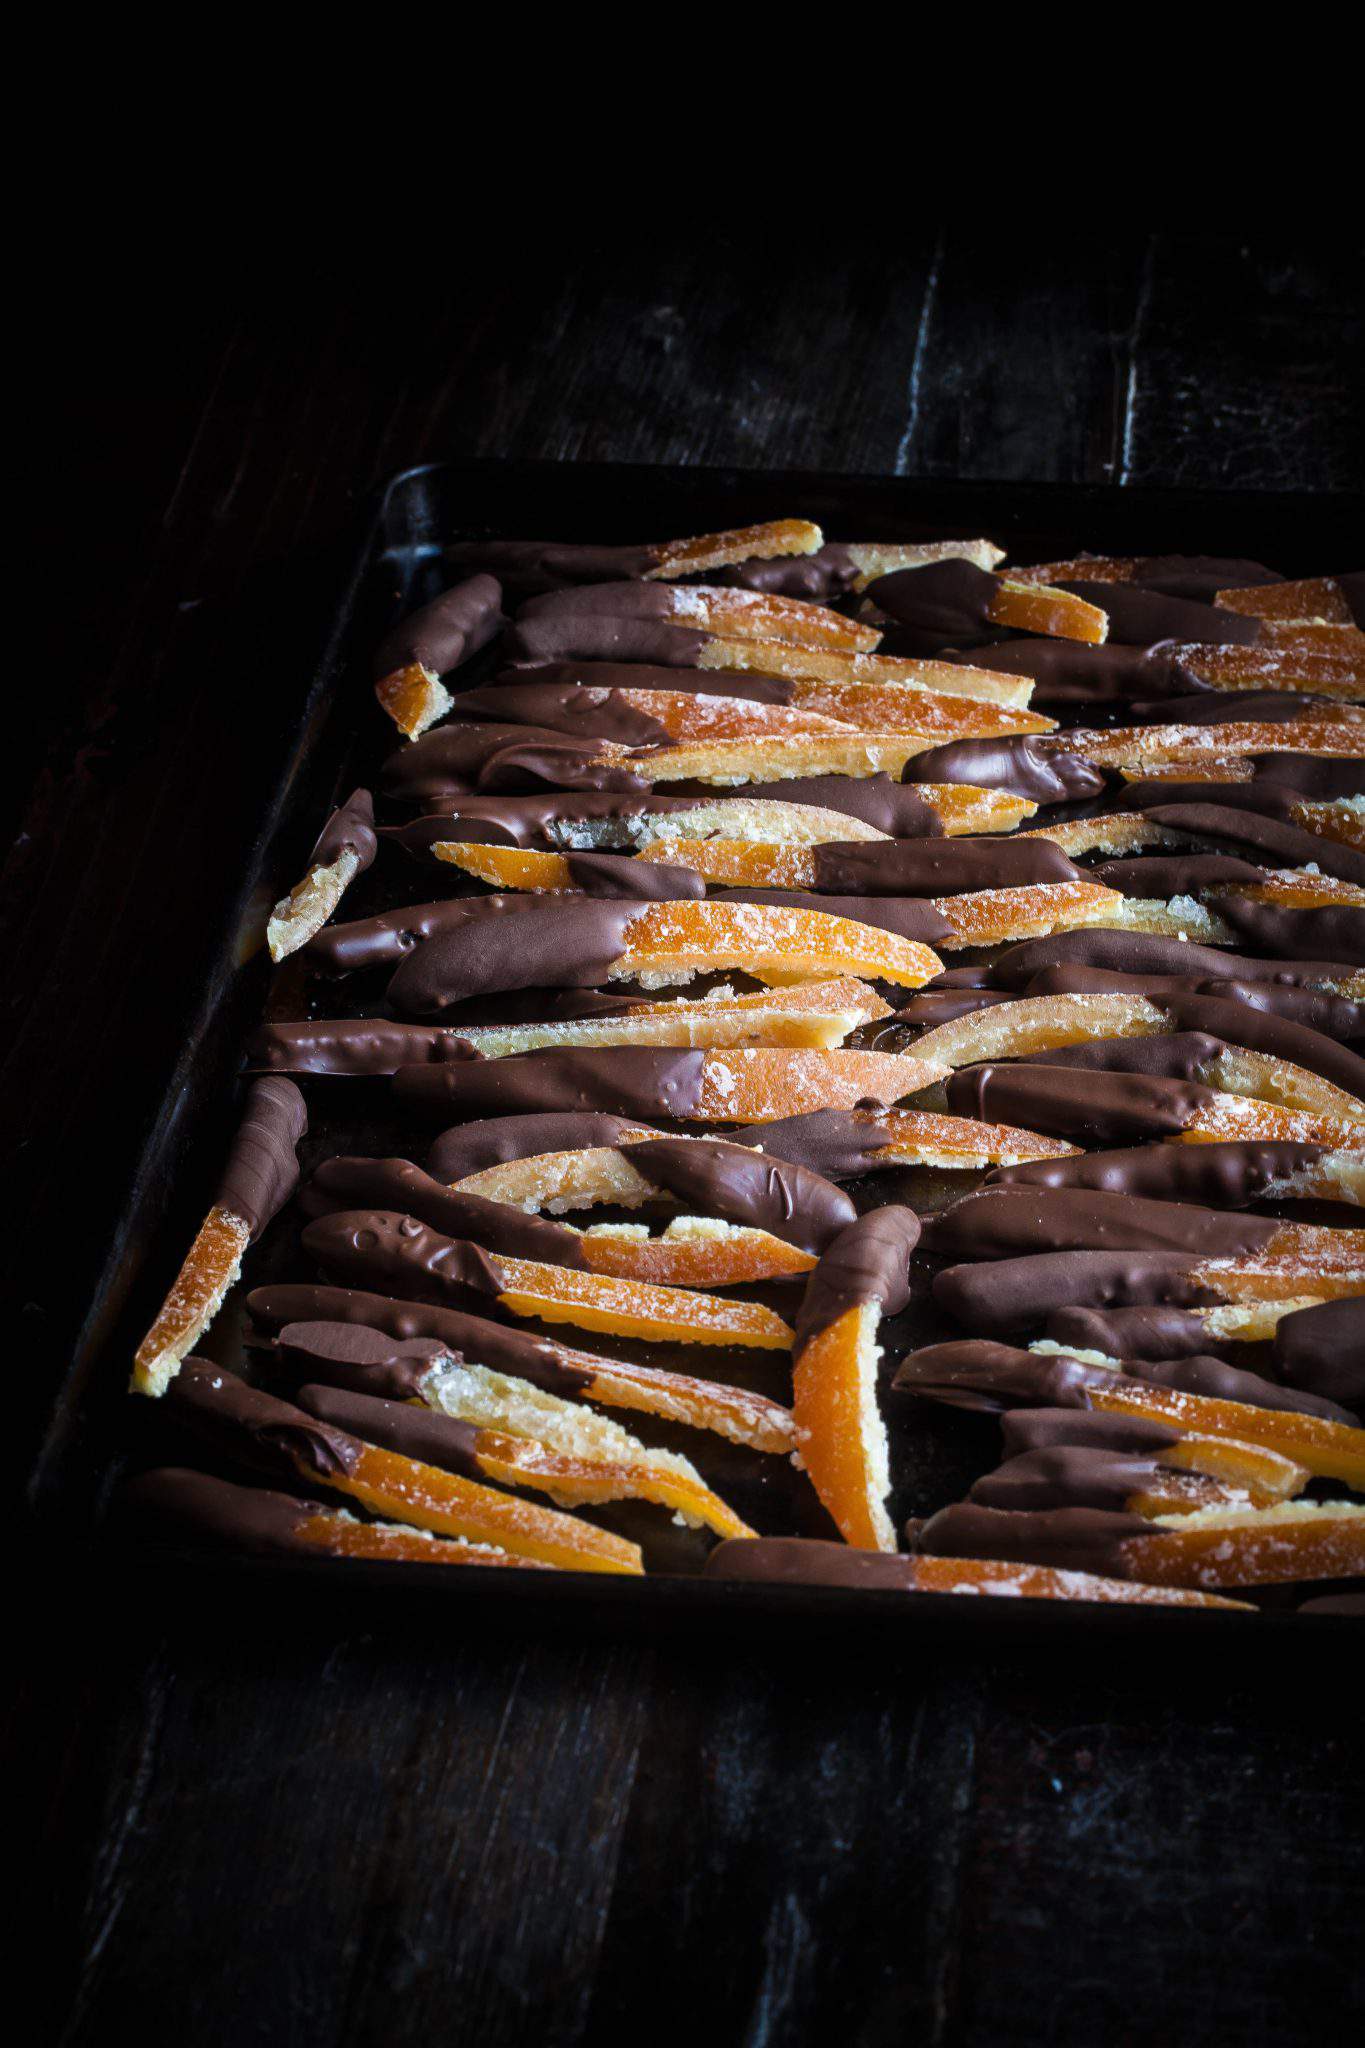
x=833 y=668
x=414 y=697
x=731 y=763
x=990 y=917
x=1139 y=746
x=210 y=1266
x=814 y=1014
x=705 y=551
x=841 y=1434
x=762 y=615
x=301 y=914
x=1313 y=601
x=1310 y=670
x=633 y=1308
x=753 y=1085
x=334 y=1533
x=907 y=707
x=976 y=1575
x=693 y=1251
x=667 y=942
x=1253 y=1546
x=1039 y=608
x=883 y=558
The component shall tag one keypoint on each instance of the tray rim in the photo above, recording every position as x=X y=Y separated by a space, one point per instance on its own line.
x=662 y=1596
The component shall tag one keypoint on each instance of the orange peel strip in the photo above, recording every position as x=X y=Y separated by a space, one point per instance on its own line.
x=923 y=1137
x=1265 y=1475
x=1313 y=601
x=1045 y=1582
x=873 y=558
x=632 y=1308
x=210 y=1266
x=1253 y=1546
x=334 y=1533
x=301 y=914
x=1139 y=746
x=1328 y=1450
x=692 y=718
x=693 y=1252
x=812 y=665
x=814 y=1014
x=762 y=615
x=906 y=707
x=705 y=551
x=668 y=942
x=754 y=1085
x=1308 y=672
x=990 y=917
x=734 y=762
x=841 y=1433
x=584 y=1482
x=1038 y=608
x=402 y=1489
x=414 y=698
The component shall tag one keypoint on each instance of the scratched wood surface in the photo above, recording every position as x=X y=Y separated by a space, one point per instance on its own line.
x=327 y=1835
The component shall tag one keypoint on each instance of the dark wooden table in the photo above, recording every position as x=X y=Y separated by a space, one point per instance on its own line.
x=315 y=1834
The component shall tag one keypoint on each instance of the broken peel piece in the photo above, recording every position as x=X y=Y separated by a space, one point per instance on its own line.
x=1253 y=1546
x=211 y=1265
x=921 y=1137
x=991 y=917
x=1313 y=601
x=668 y=942
x=1041 y=608
x=414 y=698
x=740 y=614
x=1265 y=1476
x=332 y=868
x=874 y=558
x=815 y=1014
x=705 y=551
x=693 y=1251
x=731 y=763
x=892 y=706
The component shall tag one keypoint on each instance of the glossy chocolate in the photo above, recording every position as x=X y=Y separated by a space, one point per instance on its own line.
x=1320 y=778
x=1160 y=876
x=633 y=675
x=708 y=1177
x=1071 y=672
x=633 y=1081
x=896 y=808
x=548 y=942
x=829 y=573
x=365 y=1360
x=1169 y=1056
x=1145 y=953
x=1336 y=932
x=938 y=867
x=262 y=1169
x=840 y=1144
x=494 y=1141
x=465 y=758
x=444 y=634
x=867 y=1264
x=1007 y=1222
x=396 y=1184
x=603 y=636
x=1272 y=841
x=572 y=708
x=1221 y=1176
x=1041 y=1096
x=547 y=820
x=1140 y=618
x=804 y=1561
x=1015 y=764
x=397 y=1251
x=1322 y=1351
x=1013 y=1294
x=1131 y=1333
x=1043 y=1429
x=391 y=934
x=350 y=829
x=643 y=881
x=216 y=1511
x=342 y=1045
x=941 y=604
x=1076 y=1539
x=250 y=1424
x=532 y=565
x=1067 y=1476
x=405 y=1427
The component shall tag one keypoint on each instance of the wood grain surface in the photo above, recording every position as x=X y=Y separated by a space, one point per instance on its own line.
x=321 y=1835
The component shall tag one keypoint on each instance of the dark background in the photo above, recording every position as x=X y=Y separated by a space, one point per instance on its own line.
x=322 y=1834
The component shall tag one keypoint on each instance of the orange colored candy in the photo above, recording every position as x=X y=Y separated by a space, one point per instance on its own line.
x=990 y=917
x=755 y=1085
x=1038 y=608
x=1317 y=600
x=761 y=615
x=671 y=941
x=843 y=1442
x=1138 y=746
x=632 y=1308
x=590 y=1482
x=1253 y=1546
x=211 y=1265
x=809 y=668
x=1329 y=1450
x=340 y=1535
x=738 y=544
x=904 y=707
x=715 y=1256
x=414 y=698
x=974 y=1575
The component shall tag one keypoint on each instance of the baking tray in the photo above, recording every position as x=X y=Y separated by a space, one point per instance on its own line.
x=339 y=739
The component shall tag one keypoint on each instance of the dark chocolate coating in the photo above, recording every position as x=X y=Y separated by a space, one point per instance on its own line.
x=1014 y=763
x=216 y=1511
x=392 y=1250
x=1071 y=672
x=1225 y=707
x=252 y=1425
x=1201 y=577
x=804 y=1561
x=1107 y=1109
x=633 y=1081
x=572 y=708
x=531 y=565
x=868 y=1263
x=642 y=881
x=365 y=1360
x=391 y=934
x=262 y=1169
x=601 y=636
x=342 y=1045
x=1066 y=1476
x=829 y=573
x=1267 y=799
x=938 y=867
x=909 y=917
x=397 y=1184
x=1011 y=1294
x=550 y=942
x=1168 y=1056
x=1044 y=1429
x=932 y=1007
x=469 y=1148
x=444 y=634
x=1223 y=1176
x=405 y=1427
x=837 y=1143
x=1322 y=1351
x=350 y=829
x=976 y=1373
x=1336 y=933
x=1352 y=587
x=1160 y=876
x=708 y=1177
x=1140 y=618
x=634 y=675
x=1007 y=1222
x=896 y=808
x=1153 y=1332
x=1277 y=1037
x=1320 y=778
x=940 y=604
x=466 y=758
x=1068 y=1539
x=1273 y=841
x=1215 y=1380
x=1352 y=1604
x=620 y=599
x=1316 y=1009
x=544 y=820
x=1145 y=953
x=466 y=1337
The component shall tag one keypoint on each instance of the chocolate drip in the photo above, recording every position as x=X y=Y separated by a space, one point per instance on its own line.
x=839 y=1144
x=1337 y=932
x=1140 y=618
x=634 y=1081
x=396 y=1184
x=1005 y=1222
x=642 y=881
x=708 y=1177
x=1319 y=778
x=867 y=1264
x=829 y=573
x=1223 y=1176
x=1015 y=764
x=1067 y=1476
x=533 y=565
x=550 y=942
x=1044 y=1097
x=803 y=1561
x=572 y=708
x=397 y=1251
x=467 y=1338
x=1322 y=1351
x=350 y=829
x=262 y=1168
x=909 y=917
x=341 y=1045
x=1045 y=1429
x=255 y=1426
x=462 y=759
x=1010 y=1294
x=470 y=1148
x=1068 y=1539
x=938 y=867
x=446 y=633
x=215 y=1511
x=404 y=1427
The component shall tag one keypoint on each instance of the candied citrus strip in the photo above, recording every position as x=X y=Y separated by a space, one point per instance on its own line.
x=447 y=1505
x=1329 y=1450
x=922 y=1137
x=1038 y=608
x=1261 y=1277
x=693 y=1252
x=1081 y=569
x=1310 y=670
x=1241 y=1117
x=841 y=1434
x=734 y=762
x=414 y=698
x=556 y=1181
x=906 y=707
x=670 y=941
x=832 y=667
x=762 y=615
x=1344 y=821
x=631 y=1308
x=989 y=917
x=1315 y=600
x=692 y=718
x=1296 y=890
x=816 y=1014
x=1253 y=1546
x=974 y=1575
x=1265 y=1475
x=589 y=1482
x=754 y=1085
x=736 y=544
x=309 y=904
x=1139 y=745
x=341 y=1535
x=874 y=558
x=736 y=1413
x=210 y=1266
